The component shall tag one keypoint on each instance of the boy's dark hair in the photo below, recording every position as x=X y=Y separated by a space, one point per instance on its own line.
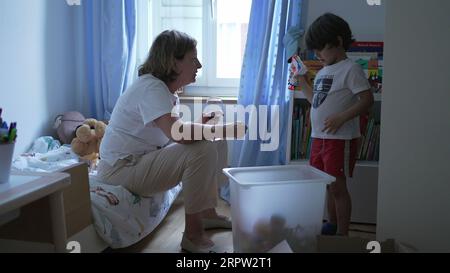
x=326 y=29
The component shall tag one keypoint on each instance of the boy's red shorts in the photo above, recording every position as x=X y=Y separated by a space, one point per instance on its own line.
x=336 y=157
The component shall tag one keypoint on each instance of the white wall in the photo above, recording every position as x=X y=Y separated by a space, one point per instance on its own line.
x=414 y=174
x=37 y=73
x=366 y=22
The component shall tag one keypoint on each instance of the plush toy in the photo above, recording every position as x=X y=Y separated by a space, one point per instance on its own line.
x=88 y=139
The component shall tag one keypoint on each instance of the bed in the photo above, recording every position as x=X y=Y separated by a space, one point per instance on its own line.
x=122 y=218
x=119 y=217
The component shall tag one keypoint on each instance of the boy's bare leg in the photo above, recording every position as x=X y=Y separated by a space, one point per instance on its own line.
x=343 y=204
x=331 y=207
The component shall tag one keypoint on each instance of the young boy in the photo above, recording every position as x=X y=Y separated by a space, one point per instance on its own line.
x=341 y=93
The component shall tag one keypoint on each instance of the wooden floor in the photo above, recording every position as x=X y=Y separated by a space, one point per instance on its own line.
x=167 y=236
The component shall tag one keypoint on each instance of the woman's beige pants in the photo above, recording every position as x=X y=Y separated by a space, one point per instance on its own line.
x=198 y=165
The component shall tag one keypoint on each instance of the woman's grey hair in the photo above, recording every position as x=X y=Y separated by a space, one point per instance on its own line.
x=166 y=48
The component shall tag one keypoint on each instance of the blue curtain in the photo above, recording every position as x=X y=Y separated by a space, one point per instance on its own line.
x=264 y=78
x=110 y=37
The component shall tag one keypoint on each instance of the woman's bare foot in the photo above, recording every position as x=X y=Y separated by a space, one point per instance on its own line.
x=194 y=231
x=212 y=214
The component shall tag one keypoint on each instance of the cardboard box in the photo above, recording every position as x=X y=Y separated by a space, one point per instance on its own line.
x=34 y=222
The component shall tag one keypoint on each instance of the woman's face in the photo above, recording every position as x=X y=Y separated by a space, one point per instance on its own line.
x=187 y=68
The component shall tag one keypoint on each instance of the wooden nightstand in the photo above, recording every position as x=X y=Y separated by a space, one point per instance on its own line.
x=27 y=187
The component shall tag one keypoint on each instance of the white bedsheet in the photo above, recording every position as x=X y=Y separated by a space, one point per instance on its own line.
x=122 y=218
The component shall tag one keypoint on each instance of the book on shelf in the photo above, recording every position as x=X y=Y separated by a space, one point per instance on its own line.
x=369 y=141
x=369 y=54
x=371 y=66
x=368 y=46
x=367 y=60
x=301 y=132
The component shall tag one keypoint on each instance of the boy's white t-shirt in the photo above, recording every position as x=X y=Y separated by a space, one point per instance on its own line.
x=131 y=130
x=335 y=89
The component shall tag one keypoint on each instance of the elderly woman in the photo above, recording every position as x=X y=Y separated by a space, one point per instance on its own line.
x=135 y=152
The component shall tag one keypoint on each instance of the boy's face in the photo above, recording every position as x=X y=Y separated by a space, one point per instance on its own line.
x=329 y=54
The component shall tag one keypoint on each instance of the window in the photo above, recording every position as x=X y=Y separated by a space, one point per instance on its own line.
x=220 y=28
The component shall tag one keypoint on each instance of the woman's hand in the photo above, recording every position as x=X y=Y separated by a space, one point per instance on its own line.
x=235 y=130
x=333 y=123
x=211 y=117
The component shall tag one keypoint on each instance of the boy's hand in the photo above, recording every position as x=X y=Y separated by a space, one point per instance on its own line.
x=303 y=80
x=333 y=123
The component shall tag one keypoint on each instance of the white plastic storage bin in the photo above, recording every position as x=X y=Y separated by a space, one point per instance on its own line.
x=273 y=204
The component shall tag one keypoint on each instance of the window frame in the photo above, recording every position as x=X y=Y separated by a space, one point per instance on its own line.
x=206 y=85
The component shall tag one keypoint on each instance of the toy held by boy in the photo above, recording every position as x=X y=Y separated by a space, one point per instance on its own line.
x=297 y=69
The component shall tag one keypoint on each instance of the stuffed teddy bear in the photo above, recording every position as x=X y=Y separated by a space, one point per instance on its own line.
x=86 y=144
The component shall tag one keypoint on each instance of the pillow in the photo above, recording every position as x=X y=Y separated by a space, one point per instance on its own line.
x=67 y=124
